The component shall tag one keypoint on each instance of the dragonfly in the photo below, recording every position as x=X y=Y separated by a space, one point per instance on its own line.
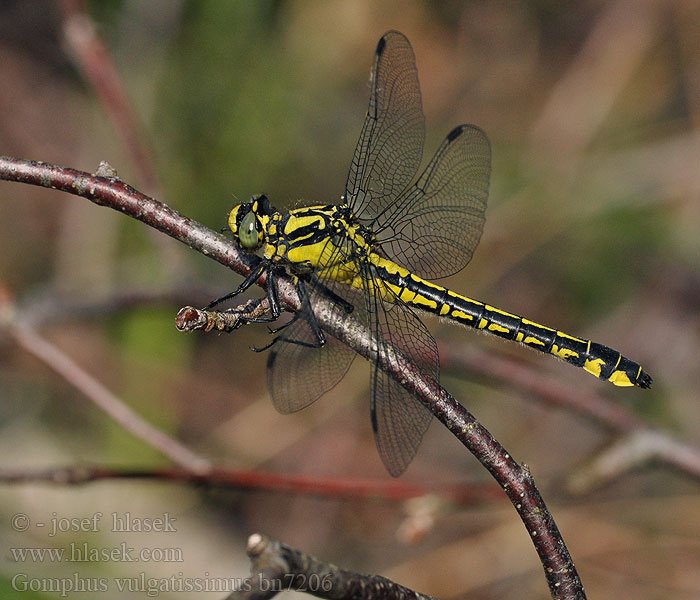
x=376 y=254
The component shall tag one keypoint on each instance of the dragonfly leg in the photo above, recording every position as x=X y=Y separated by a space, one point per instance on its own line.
x=288 y=341
x=305 y=312
x=247 y=282
x=274 y=330
x=272 y=297
x=273 y=305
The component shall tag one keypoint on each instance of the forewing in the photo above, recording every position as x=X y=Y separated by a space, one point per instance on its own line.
x=436 y=225
x=399 y=418
x=390 y=147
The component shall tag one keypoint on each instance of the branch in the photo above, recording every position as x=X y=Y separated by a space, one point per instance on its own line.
x=276 y=567
x=633 y=451
x=514 y=478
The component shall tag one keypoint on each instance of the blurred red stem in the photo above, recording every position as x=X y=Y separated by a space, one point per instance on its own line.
x=220 y=477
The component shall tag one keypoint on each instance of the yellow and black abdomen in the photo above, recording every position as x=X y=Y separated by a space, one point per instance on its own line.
x=599 y=360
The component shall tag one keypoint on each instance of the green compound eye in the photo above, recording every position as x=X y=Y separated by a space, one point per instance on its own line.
x=248 y=232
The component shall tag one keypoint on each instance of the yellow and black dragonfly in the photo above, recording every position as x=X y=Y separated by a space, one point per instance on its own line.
x=374 y=253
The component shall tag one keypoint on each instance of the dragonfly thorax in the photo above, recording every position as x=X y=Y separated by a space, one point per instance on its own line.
x=310 y=237
x=303 y=237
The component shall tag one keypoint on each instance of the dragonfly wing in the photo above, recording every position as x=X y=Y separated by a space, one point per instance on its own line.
x=399 y=418
x=299 y=372
x=436 y=224
x=390 y=147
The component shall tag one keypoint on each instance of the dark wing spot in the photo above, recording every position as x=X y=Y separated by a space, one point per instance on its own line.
x=455 y=133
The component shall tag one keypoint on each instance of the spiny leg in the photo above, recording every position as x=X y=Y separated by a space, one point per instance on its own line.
x=273 y=304
x=306 y=312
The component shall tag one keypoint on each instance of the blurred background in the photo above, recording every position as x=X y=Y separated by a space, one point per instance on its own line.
x=593 y=227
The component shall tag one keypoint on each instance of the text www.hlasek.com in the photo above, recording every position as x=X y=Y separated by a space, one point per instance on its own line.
x=84 y=552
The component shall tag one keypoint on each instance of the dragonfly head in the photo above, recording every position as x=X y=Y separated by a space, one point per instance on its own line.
x=248 y=222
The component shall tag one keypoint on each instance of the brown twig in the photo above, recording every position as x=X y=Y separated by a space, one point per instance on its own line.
x=514 y=478
x=190 y=318
x=276 y=567
x=632 y=451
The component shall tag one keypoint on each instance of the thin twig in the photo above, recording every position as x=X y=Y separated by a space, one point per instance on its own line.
x=276 y=567
x=190 y=319
x=633 y=451
x=515 y=479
